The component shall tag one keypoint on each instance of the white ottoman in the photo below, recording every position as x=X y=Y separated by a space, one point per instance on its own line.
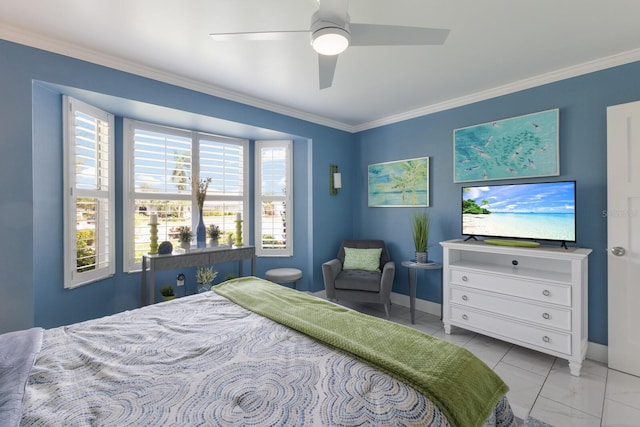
x=284 y=275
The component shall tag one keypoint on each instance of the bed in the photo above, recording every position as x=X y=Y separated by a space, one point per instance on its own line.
x=250 y=352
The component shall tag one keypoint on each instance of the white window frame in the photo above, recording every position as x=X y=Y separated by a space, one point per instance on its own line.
x=104 y=237
x=259 y=198
x=130 y=196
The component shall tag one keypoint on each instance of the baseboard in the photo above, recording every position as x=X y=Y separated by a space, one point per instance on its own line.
x=421 y=304
x=598 y=353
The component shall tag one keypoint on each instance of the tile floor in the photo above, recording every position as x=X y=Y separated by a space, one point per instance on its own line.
x=541 y=385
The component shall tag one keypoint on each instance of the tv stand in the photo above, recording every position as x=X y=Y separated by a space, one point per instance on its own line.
x=533 y=297
x=471 y=237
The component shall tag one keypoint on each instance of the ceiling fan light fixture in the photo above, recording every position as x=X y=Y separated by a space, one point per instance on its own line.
x=330 y=41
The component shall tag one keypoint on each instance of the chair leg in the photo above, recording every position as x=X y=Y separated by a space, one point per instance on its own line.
x=386 y=309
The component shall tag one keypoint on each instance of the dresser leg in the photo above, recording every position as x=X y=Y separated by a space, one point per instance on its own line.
x=447 y=328
x=575 y=368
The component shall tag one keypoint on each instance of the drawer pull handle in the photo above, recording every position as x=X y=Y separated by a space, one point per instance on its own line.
x=546 y=293
x=465 y=298
x=465 y=317
x=545 y=316
x=546 y=338
x=465 y=278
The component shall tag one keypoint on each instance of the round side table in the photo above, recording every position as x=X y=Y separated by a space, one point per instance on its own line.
x=413 y=268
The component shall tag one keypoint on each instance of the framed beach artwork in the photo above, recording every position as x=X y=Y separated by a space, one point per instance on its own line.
x=519 y=147
x=402 y=183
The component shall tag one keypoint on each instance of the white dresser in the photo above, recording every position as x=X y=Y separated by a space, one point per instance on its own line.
x=532 y=297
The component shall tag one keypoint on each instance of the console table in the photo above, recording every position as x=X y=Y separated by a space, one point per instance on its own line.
x=191 y=258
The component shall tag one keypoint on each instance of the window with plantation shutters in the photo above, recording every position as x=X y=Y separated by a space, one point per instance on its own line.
x=160 y=164
x=274 y=198
x=89 y=200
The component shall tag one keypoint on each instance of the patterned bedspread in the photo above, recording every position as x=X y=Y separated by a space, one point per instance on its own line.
x=202 y=360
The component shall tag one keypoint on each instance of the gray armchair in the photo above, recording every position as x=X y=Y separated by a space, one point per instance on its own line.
x=360 y=285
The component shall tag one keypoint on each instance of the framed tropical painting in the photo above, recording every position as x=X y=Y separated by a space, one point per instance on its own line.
x=518 y=147
x=402 y=183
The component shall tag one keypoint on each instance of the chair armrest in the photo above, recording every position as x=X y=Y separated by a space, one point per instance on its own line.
x=330 y=271
x=386 y=281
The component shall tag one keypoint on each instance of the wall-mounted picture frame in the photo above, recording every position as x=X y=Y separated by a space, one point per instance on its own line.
x=401 y=183
x=518 y=147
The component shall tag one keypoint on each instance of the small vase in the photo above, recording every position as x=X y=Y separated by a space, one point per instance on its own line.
x=201 y=233
x=204 y=287
x=421 y=257
x=185 y=245
x=213 y=242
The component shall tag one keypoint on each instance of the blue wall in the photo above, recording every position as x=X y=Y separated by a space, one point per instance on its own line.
x=582 y=102
x=32 y=83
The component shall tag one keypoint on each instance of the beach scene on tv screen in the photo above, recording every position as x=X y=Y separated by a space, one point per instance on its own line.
x=531 y=211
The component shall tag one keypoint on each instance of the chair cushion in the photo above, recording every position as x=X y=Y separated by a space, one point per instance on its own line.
x=358 y=280
x=365 y=244
x=362 y=259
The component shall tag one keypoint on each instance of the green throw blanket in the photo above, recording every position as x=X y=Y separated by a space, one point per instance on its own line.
x=461 y=385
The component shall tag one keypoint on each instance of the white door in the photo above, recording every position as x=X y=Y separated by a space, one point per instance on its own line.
x=623 y=222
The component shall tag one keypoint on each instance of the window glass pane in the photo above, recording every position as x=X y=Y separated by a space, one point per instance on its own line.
x=91 y=152
x=222 y=214
x=274 y=226
x=171 y=215
x=162 y=163
x=274 y=171
x=85 y=234
x=223 y=163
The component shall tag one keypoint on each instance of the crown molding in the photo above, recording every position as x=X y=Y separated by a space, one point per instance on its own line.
x=39 y=41
x=542 y=79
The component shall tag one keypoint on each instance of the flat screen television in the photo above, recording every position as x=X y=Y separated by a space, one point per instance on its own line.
x=531 y=211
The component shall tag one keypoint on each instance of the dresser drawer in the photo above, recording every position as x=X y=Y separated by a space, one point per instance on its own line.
x=542 y=315
x=515 y=331
x=509 y=285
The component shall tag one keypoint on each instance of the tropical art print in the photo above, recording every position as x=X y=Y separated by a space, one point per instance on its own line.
x=519 y=147
x=399 y=183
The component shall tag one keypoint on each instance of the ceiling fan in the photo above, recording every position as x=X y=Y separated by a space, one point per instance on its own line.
x=332 y=32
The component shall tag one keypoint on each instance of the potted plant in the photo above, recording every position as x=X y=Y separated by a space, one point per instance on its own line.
x=204 y=277
x=214 y=234
x=420 y=226
x=185 y=236
x=167 y=293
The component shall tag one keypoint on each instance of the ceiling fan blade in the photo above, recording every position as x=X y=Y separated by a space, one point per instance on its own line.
x=326 y=68
x=259 y=35
x=395 y=35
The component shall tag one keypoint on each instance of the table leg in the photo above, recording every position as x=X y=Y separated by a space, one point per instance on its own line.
x=441 y=295
x=413 y=273
x=143 y=283
x=152 y=284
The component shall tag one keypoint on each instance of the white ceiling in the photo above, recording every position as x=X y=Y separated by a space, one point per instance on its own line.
x=495 y=47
